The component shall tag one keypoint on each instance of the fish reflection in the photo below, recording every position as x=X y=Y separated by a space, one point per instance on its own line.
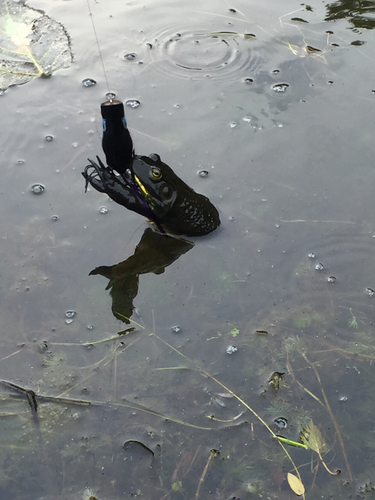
x=153 y=254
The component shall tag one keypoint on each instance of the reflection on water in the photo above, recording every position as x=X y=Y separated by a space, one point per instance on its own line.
x=360 y=14
x=145 y=415
x=153 y=254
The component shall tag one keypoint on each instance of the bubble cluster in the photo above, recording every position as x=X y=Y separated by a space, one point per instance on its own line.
x=70 y=315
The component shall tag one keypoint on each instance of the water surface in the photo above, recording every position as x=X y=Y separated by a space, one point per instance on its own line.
x=283 y=123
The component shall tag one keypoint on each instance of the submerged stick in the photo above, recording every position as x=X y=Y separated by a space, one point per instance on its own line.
x=213 y=453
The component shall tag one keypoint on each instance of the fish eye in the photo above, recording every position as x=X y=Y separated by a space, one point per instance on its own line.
x=156 y=173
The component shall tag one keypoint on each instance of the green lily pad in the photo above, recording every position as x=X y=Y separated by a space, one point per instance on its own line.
x=31 y=44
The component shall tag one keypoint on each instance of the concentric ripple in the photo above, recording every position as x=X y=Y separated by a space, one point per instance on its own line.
x=201 y=54
x=348 y=256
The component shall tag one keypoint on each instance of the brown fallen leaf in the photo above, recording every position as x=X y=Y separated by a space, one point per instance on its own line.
x=295 y=484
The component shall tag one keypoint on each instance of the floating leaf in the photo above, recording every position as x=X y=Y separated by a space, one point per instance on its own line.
x=234 y=332
x=232 y=33
x=299 y=20
x=295 y=484
x=176 y=486
x=275 y=379
x=31 y=44
x=312 y=50
x=312 y=438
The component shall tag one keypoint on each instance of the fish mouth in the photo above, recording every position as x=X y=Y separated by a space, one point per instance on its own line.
x=138 y=188
x=146 y=195
x=143 y=196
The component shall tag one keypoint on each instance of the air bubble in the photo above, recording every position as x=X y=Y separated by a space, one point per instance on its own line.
x=110 y=96
x=130 y=56
x=133 y=103
x=331 y=279
x=20 y=162
x=343 y=399
x=319 y=267
x=281 y=422
x=49 y=138
x=370 y=292
x=248 y=80
x=280 y=87
x=70 y=314
x=55 y=218
x=37 y=188
x=311 y=255
x=103 y=210
x=233 y=124
x=203 y=173
x=176 y=329
x=231 y=349
x=47 y=71
x=88 y=82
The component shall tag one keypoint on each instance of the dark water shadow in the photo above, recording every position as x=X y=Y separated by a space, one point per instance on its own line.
x=153 y=254
x=361 y=15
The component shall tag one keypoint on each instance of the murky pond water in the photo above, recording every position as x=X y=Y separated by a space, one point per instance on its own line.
x=263 y=328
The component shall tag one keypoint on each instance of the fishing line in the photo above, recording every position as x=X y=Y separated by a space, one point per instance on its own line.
x=97 y=43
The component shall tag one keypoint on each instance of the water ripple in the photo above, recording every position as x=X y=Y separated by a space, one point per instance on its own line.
x=199 y=54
